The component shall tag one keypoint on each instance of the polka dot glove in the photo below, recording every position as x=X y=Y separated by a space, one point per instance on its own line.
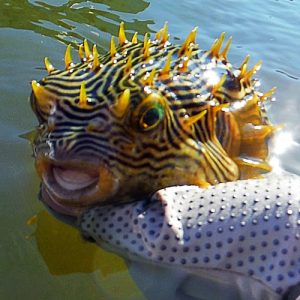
x=248 y=230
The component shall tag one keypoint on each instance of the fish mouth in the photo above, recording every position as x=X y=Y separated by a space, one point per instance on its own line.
x=70 y=187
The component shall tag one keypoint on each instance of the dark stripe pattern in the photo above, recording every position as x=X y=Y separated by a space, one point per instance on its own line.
x=95 y=132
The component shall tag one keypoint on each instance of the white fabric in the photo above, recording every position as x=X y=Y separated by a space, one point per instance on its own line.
x=241 y=237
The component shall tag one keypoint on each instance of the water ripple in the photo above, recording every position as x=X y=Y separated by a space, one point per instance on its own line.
x=287 y=74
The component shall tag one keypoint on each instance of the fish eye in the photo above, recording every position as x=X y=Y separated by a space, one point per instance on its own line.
x=149 y=113
x=151 y=117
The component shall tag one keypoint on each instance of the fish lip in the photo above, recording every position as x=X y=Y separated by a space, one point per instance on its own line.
x=65 y=201
x=69 y=195
x=56 y=206
x=72 y=201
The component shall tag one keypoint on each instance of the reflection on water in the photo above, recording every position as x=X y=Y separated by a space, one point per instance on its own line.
x=65 y=252
x=56 y=263
x=65 y=21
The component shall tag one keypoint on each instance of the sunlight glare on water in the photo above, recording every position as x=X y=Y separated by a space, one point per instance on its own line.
x=283 y=141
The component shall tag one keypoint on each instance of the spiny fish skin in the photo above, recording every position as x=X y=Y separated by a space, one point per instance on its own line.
x=146 y=116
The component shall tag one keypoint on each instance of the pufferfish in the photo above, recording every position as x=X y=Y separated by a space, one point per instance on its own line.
x=145 y=116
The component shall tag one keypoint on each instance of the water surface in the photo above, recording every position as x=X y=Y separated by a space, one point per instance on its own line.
x=41 y=258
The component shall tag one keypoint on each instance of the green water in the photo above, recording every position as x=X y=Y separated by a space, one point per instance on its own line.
x=41 y=258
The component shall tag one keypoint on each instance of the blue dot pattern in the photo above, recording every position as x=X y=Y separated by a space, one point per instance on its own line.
x=251 y=227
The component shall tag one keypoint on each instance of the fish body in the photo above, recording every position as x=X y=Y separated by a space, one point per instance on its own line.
x=145 y=116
